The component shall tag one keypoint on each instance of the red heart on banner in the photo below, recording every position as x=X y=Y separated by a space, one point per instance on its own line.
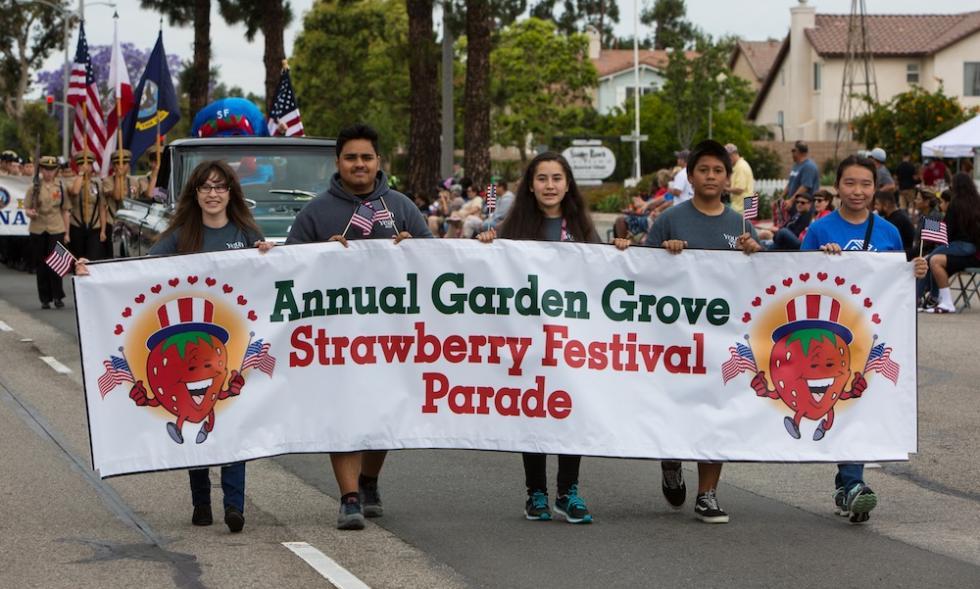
x=867 y=303
x=127 y=312
x=771 y=289
x=118 y=329
x=805 y=276
x=140 y=298
x=173 y=281
x=840 y=281
x=787 y=281
x=855 y=289
x=821 y=276
x=746 y=318
x=876 y=318
x=191 y=279
x=252 y=315
x=210 y=281
x=242 y=300
x=756 y=302
x=227 y=288
x=155 y=288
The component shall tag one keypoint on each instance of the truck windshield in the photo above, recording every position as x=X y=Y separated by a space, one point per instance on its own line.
x=268 y=172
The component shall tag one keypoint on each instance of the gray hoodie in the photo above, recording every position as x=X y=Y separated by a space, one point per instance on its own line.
x=330 y=213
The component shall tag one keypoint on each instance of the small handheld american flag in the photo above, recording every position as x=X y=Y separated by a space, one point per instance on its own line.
x=742 y=360
x=60 y=260
x=491 y=198
x=751 y=207
x=933 y=230
x=117 y=371
x=257 y=356
x=364 y=218
x=879 y=360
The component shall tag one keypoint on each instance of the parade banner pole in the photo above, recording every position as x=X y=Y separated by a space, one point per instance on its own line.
x=85 y=152
x=160 y=77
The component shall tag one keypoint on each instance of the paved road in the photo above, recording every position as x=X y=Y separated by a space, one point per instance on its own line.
x=454 y=518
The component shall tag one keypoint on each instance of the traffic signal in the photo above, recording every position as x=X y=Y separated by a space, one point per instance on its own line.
x=49 y=102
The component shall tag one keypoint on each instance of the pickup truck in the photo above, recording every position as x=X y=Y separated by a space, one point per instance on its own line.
x=279 y=175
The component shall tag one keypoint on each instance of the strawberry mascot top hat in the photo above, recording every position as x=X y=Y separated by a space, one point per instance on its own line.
x=813 y=311
x=183 y=315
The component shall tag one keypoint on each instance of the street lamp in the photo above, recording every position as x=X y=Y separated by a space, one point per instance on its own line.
x=66 y=73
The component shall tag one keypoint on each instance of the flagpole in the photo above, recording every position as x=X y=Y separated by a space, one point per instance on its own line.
x=873 y=340
x=85 y=177
x=159 y=77
x=251 y=334
x=123 y=354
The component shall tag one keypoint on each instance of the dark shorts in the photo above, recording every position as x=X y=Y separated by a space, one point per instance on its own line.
x=956 y=264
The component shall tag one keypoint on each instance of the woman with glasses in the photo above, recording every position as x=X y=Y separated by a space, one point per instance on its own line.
x=211 y=216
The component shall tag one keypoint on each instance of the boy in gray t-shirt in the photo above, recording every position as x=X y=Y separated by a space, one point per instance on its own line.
x=704 y=222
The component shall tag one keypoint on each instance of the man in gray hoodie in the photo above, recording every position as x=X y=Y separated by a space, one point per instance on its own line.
x=358 y=205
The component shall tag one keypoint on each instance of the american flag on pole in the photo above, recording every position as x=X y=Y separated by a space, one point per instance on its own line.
x=491 y=198
x=741 y=361
x=751 y=207
x=284 y=110
x=933 y=230
x=257 y=356
x=89 y=132
x=117 y=371
x=60 y=260
x=879 y=360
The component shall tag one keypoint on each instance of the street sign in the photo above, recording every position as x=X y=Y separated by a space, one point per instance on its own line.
x=590 y=162
x=633 y=137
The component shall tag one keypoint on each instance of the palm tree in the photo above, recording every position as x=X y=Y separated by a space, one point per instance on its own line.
x=476 y=96
x=271 y=17
x=182 y=13
x=424 y=123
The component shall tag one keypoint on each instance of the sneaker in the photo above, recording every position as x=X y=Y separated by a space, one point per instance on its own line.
x=572 y=507
x=860 y=501
x=45 y=305
x=59 y=303
x=234 y=519
x=350 y=516
x=840 y=502
x=202 y=515
x=536 y=507
x=370 y=500
x=940 y=309
x=707 y=509
x=675 y=491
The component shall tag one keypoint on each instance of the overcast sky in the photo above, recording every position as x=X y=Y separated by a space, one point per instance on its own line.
x=240 y=62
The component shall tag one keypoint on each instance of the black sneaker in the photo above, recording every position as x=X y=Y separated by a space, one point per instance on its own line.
x=370 y=500
x=59 y=303
x=350 y=516
x=45 y=305
x=202 y=515
x=675 y=491
x=860 y=501
x=234 y=519
x=707 y=509
x=536 y=507
x=572 y=507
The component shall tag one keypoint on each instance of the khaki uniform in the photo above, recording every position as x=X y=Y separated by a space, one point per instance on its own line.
x=50 y=203
x=84 y=220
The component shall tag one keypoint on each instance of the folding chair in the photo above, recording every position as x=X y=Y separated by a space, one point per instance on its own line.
x=967 y=285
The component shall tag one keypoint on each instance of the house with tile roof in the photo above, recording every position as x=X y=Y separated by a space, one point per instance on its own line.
x=616 y=77
x=752 y=60
x=800 y=95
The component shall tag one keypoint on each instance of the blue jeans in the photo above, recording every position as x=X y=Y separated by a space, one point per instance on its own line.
x=849 y=475
x=955 y=248
x=784 y=239
x=232 y=483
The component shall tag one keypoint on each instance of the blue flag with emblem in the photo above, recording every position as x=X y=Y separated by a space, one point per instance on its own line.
x=157 y=109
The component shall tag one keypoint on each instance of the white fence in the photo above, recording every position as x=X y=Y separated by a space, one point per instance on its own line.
x=770 y=185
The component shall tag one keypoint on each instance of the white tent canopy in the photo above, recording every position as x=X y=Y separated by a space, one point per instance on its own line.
x=957 y=142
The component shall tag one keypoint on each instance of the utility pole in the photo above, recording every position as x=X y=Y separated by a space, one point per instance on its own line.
x=448 y=118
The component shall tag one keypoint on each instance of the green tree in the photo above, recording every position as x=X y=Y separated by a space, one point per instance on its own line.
x=476 y=95
x=21 y=134
x=577 y=15
x=29 y=33
x=197 y=13
x=900 y=125
x=350 y=64
x=271 y=17
x=672 y=29
x=537 y=73
x=424 y=122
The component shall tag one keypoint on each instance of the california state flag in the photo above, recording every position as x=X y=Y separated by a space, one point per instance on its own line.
x=123 y=97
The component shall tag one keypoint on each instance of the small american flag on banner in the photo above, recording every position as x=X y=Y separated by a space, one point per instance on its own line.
x=751 y=207
x=363 y=219
x=491 y=198
x=60 y=260
x=933 y=230
x=257 y=356
x=117 y=371
x=879 y=360
x=382 y=215
x=741 y=361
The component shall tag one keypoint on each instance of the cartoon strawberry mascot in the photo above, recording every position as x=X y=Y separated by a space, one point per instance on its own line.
x=187 y=366
x=810 y=363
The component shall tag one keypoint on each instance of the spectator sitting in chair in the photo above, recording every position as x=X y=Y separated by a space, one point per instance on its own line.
x=963 y=229
x=789 y=237
x=926 y=205
x=636 y=220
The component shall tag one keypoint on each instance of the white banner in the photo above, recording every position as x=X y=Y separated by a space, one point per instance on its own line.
x=13 y=192
x=558 y=348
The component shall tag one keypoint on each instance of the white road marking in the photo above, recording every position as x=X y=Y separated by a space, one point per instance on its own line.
x=55 y=365
x=340 y=577
x=5 y=327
